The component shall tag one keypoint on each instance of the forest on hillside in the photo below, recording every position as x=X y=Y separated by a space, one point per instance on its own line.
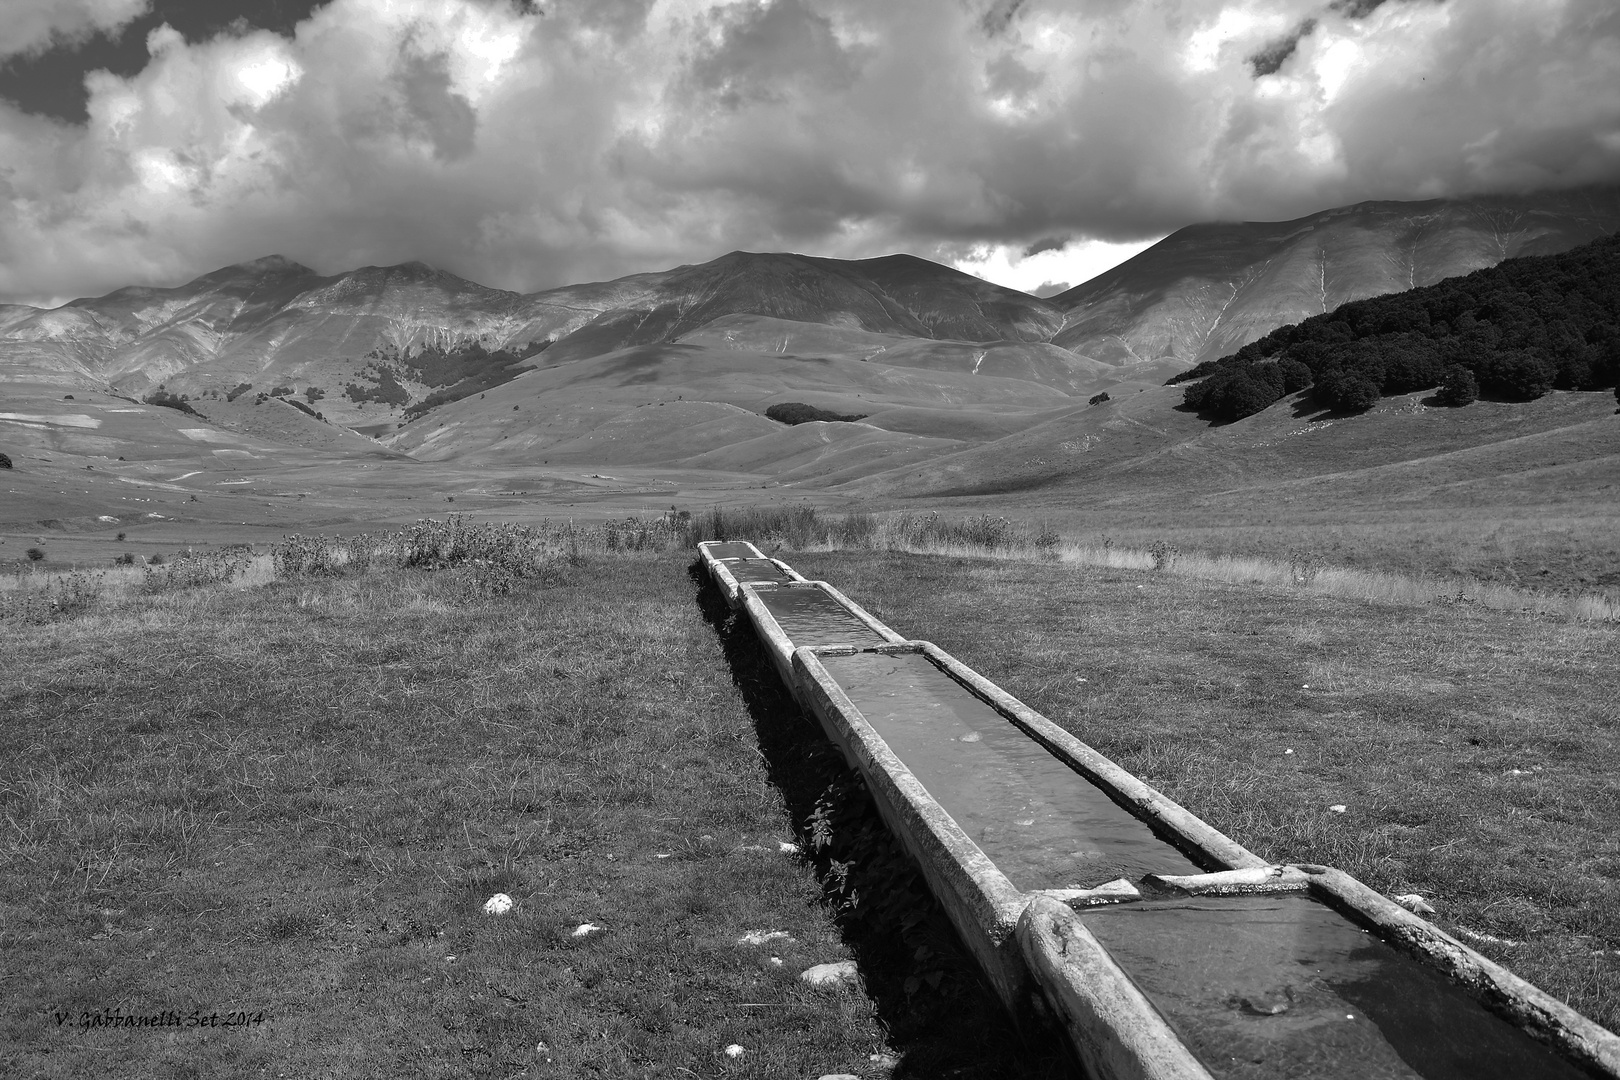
x=1511 y=332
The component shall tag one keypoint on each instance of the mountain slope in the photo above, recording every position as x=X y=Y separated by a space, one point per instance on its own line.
x=1206 y=290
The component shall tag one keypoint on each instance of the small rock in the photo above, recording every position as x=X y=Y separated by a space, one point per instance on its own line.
x=786 y=848
x=889 y=1061
x=541 y=1048
x=832 y=976
x=1287 y=752
x=499 y=904
x=760 y=937
x=776 y=961
x=1414 y=903
x=735 y=1051
x=972 y=736
x=1339 y=808
x=660 y=856
x=585 y=929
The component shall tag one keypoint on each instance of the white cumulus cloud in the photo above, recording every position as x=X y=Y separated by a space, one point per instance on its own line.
x=528 y=149
x=33 y=25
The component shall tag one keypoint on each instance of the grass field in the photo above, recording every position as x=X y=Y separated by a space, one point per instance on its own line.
x=274 y=814
x=1474 y=749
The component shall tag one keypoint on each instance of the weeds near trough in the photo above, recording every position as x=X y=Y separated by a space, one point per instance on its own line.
x=804 y=528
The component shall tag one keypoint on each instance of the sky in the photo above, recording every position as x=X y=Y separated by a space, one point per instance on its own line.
x=528 y=145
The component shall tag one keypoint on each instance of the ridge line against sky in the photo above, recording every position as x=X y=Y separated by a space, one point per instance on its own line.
x=527 y=146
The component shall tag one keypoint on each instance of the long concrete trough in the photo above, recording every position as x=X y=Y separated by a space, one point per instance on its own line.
x=1165 y=949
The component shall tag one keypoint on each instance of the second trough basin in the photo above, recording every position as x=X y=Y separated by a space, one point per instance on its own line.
x=1263 y=987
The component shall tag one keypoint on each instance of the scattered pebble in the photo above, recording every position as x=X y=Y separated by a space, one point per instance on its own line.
x=832 y=976
x=1338 y=808
x=1492 y=939
x=499 y=904
x=1027 y=822
x=1079 y=678
x=786 y=848
x=760 y=937
x=661 y=856
x=585 y=929
x=1414 y=903
x=1287 y=752
x=776 y=961
x=735 y=1051
x=972 y=736
x=1306 y=686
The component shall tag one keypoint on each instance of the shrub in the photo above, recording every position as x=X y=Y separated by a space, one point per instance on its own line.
x=34 y=554
x=1458 y=387
x=281 y=391
x=119 y=538
x=126 y=559
x=237 y=391
x=5 y=462
x=313 y=394
x=797 y=412
x=1098 y=399
x=191 y=569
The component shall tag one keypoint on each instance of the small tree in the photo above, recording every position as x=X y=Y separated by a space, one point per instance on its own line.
x=1457 y=387
x=34 y=554
x=5 y=462
x=1098 y=399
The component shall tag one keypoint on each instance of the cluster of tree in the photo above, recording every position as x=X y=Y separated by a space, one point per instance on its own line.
x=1512 y=332
x=167 y=400
x=237 y=391
x=385 y=388
x=797 y=412
x=462 y=371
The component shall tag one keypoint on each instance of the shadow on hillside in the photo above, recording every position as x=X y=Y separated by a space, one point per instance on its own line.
x=940 y=1013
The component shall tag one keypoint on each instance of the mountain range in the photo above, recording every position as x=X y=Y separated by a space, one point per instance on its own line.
x=677 y=368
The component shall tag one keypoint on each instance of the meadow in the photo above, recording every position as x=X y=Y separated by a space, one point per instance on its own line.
x=263 y=799
x=284 y=783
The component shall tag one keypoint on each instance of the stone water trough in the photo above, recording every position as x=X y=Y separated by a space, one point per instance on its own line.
x=1162 y=947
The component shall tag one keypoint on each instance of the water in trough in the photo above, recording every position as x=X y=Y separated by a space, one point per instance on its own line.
x=810 y=616
x=1282 y=986
x=1043 y=824
x=756 y=570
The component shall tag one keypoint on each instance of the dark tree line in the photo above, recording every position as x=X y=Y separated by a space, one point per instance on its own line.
x=1511 y=332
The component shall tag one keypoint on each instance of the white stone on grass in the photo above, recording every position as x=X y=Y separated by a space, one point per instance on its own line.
x=832 y=976
x=1414 y=903
x=499 y=904
x=1339 y=808
x=760 y=937
x=838 y=1076
x=735 y=1051
x=585 y=929
x=786 y=848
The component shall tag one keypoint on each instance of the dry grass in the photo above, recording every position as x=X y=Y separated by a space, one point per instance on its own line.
x=803 y=528
x=1475 y=749
x=292 y=801
x=282 y=801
